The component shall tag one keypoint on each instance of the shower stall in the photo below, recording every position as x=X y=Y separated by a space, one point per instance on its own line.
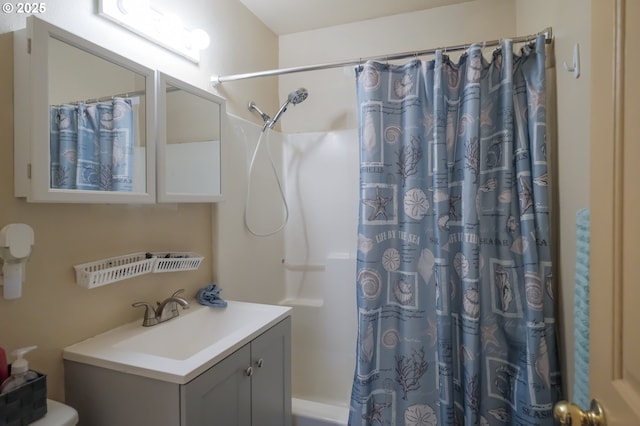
x=321 y=175
x=299 y=193
x=317 y=249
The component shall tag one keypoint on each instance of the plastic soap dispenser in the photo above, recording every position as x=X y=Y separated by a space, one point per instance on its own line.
x=20 y=373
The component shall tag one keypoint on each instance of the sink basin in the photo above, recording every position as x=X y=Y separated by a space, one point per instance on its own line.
x=191 y=332
x=180 y=349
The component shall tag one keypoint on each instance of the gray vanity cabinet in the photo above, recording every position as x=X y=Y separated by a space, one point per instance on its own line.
x=271 y=379
x=250 y=387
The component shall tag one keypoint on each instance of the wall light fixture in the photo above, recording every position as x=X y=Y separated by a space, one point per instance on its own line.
x=163 y=28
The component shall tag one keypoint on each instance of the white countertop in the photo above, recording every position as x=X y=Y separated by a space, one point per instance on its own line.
x=182 y=348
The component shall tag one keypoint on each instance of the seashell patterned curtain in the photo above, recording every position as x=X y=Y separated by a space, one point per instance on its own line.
x=456 y=322
x=91 y=146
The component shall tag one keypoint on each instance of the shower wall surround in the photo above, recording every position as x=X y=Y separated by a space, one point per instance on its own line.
x=311 y=265
x=321 y=176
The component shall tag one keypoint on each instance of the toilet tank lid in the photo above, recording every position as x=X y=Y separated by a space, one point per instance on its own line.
x=58 y=414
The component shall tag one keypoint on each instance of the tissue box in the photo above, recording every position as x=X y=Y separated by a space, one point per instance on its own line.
x=25 y=404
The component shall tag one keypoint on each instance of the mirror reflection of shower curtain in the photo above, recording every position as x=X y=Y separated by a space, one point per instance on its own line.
x=456 y=322
x=91 y=146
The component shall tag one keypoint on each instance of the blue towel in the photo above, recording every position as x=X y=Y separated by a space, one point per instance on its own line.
x=581 y=312
x=210 y=296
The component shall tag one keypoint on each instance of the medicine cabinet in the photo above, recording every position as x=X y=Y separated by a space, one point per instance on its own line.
x=188 y=142
x=91 y=126
x=84 y=120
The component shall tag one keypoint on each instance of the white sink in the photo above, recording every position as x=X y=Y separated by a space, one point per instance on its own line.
x=192 y=332
x=180 y=349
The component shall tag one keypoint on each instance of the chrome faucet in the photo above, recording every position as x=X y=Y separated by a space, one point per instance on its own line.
x=164 y=311
x=168 y=308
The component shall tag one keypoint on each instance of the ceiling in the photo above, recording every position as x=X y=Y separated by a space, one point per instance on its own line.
x=292 y=16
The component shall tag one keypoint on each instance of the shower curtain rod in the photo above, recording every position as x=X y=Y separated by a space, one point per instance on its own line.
x=121 y=95
x=216 y=80
x=106 y=98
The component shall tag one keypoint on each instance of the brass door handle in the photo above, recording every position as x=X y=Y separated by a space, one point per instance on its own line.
x=566 y=413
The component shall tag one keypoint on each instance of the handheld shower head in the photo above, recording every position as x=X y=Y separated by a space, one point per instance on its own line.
x=295 y=98
x=298 y=96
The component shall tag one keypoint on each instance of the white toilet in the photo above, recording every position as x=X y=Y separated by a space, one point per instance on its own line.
x=58 y=414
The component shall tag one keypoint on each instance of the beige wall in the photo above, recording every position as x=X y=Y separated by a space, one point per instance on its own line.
x=54 y=312
x=251 y=266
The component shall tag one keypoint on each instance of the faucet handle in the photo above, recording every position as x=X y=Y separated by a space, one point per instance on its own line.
x=143 y=305
x=177 y=292
x=149 y=313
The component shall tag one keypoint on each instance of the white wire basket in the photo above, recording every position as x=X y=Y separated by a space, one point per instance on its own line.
x=176 y=261
x=107 y=271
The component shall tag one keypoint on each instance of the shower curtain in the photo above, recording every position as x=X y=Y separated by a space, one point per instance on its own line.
x=456 y=322
x=91 y=146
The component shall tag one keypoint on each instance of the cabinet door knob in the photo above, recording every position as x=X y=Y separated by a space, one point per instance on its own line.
x=249 y=371
x=260 y=363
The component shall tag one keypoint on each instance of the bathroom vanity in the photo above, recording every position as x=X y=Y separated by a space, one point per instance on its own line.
x=210 y=366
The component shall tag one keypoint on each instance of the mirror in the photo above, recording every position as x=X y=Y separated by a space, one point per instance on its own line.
x=189 y=136
x=97 y=122
x=92 y=117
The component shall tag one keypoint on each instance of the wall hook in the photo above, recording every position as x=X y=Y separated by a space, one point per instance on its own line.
x=575 y=69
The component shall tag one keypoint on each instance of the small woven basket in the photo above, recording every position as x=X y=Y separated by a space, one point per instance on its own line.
x=25 y=404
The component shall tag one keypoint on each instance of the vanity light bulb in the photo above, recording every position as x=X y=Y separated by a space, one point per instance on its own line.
x=122 y=7
x=133 y=7
x=164 y=28
x=200 y=39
